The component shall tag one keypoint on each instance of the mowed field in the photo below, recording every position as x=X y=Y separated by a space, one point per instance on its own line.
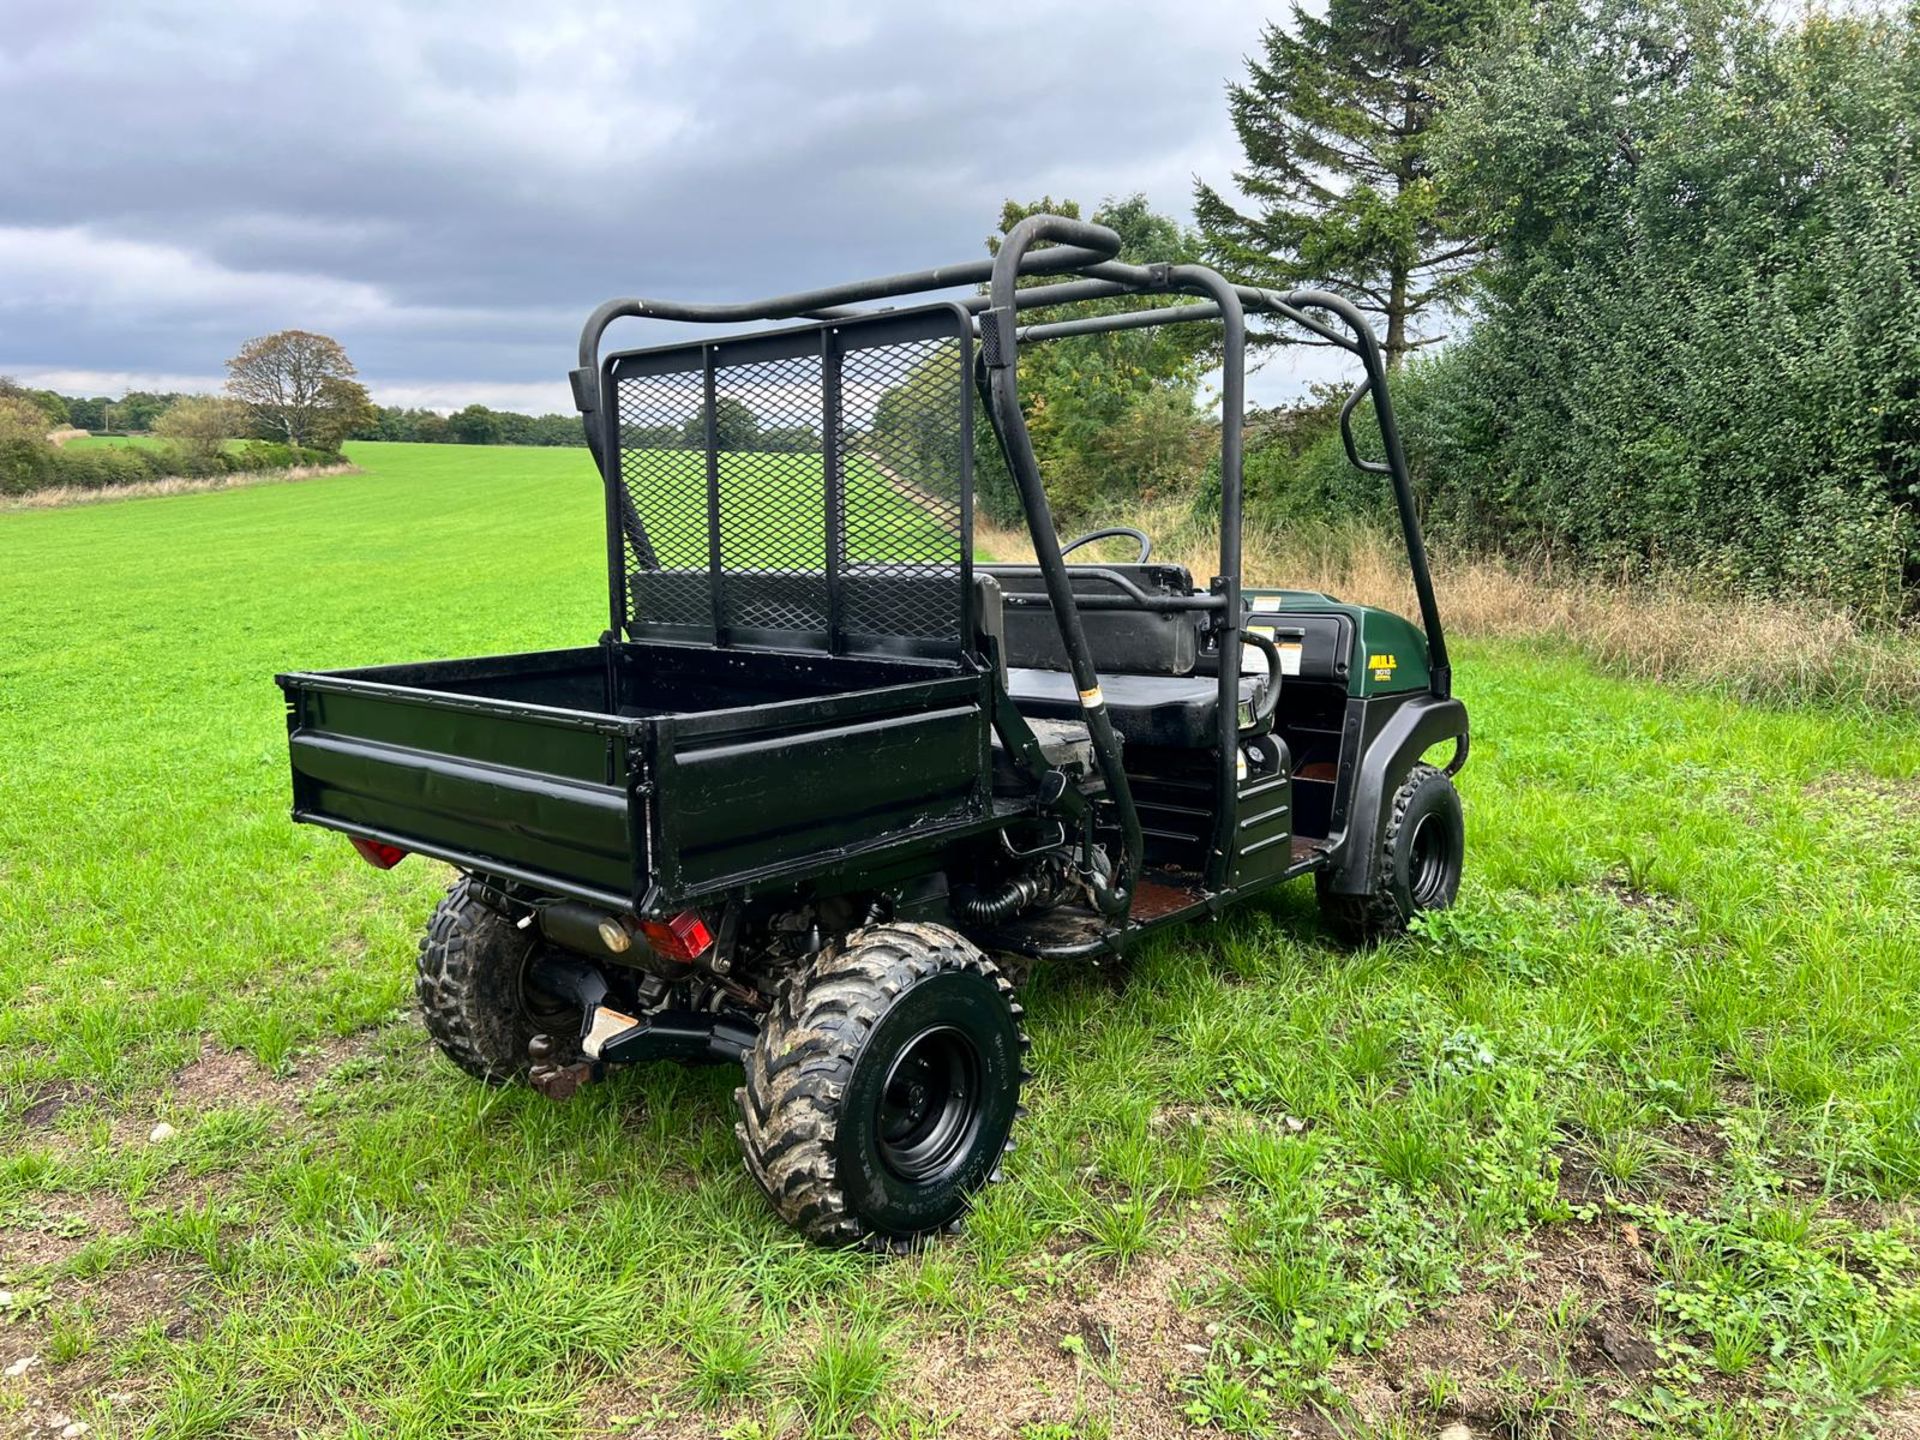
x=1624 y=1145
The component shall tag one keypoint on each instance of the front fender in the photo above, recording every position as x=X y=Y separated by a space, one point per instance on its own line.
x=1415 y=726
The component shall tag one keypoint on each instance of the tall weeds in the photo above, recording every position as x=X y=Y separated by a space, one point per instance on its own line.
x=1674 y=630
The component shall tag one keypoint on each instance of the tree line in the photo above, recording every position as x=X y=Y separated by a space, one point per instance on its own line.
x=291 y=399
x=1642 y=269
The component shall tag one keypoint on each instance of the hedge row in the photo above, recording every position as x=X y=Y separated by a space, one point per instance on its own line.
x=28 y=467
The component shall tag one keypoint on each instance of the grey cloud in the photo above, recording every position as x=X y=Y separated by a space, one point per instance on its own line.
x=449 y=188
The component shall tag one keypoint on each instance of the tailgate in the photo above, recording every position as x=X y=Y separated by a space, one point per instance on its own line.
x=515 y=790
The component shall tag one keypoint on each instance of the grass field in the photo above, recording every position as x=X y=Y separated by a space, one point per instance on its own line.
x=1625 y=1144
x=101 y=442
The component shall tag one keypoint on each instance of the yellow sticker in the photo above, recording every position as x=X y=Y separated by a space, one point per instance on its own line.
x=1382 y=666
x=1092 y=699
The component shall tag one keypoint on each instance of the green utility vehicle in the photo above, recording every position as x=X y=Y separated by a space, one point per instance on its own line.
x=824 y=766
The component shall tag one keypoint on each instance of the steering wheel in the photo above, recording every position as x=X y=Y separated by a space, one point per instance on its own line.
x=1112 y=532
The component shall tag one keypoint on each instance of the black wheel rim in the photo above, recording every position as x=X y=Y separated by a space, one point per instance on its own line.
x=929 y=1106
x=1430 y=861
x=538 y=1005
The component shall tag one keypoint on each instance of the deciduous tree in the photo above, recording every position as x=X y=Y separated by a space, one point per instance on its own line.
x=300 y=386
x=1112 y=417
x=24 y=452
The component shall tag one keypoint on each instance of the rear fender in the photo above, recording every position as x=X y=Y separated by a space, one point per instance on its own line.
x=1413 y=728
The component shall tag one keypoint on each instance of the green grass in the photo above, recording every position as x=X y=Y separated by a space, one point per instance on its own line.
x=1655 y=1073
x=101 y=442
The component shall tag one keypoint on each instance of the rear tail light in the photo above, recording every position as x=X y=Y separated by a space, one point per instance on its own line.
x=682 y=937
x=377 y=853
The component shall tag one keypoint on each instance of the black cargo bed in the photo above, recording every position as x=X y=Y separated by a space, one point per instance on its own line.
x=645 y=776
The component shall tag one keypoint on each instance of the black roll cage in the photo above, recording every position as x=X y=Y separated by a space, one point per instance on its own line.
x=1086 y=251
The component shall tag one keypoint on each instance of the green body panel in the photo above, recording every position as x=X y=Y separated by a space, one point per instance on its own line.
x=1389 y=652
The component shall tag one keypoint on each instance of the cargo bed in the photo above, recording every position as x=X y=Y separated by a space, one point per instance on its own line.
x=643 y=775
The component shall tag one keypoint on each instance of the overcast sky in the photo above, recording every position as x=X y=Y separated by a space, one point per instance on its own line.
x=449 y=188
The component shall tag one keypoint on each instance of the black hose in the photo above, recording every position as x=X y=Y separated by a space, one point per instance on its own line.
x=993 y=906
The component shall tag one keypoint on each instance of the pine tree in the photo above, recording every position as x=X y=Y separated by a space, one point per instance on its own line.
x=1335 y=119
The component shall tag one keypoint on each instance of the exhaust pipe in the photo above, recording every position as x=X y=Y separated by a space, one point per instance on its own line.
x=600 y=934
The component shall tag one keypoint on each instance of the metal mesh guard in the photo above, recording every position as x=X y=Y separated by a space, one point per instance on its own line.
x=813 y=491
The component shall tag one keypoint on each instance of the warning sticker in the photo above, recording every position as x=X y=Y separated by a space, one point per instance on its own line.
x=1253 y=661
x=1092 y=699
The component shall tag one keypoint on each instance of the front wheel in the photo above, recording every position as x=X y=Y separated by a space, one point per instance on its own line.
x=883 y=1086
x=1422 y=850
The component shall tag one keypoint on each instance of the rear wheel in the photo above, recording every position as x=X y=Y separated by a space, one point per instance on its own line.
x=1422 y=850
x=883 y=1086
x=474 y=985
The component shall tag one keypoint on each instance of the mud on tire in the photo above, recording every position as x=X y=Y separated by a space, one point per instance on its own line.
x=883 y=1086
x=471 y=982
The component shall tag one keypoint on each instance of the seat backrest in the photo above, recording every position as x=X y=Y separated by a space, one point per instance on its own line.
x=884 y=609
x=1123 y=642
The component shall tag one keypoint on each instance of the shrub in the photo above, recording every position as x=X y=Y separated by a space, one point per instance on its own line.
x=198 y=428
x=97 y=467
x=276 y=455
x=25 y=454
x=1692 y=351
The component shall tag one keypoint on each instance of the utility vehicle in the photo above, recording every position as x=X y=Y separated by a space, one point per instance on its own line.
x=826 y=772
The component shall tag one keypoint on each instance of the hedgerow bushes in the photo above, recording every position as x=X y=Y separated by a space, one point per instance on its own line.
x=26 y=467
x=1697 y=346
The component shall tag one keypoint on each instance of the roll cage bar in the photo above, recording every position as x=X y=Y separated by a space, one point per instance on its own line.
x=1086 y=251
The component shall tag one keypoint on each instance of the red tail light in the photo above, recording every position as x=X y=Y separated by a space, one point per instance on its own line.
x=378 y=854
x=683 y=937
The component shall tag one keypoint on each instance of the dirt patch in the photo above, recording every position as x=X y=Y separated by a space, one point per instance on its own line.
x=1106 y=1344
x=1544 y=1352
x=233 y=1077
x=641 y=1401
x=49 y=1235
x=1570 y=1334
x=226 y=1077
x=1899 y=1420
x=221 y=1079
x=154 y=1290
x=116 y=1304
x=1618 y=887
x=50 y=1101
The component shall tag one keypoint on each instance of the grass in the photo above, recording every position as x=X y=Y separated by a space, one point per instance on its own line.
x=1650 y=1084
x=102 y=442
x=772 y=509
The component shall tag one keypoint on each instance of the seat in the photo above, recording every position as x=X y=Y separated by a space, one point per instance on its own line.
x=1135 y=642
x=1177 y=711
